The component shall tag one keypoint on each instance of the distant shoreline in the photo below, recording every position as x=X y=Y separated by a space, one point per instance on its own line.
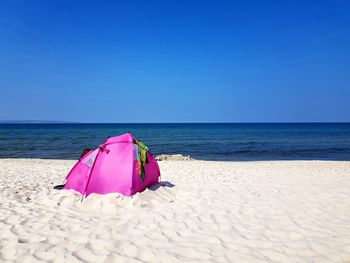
x=38 y=122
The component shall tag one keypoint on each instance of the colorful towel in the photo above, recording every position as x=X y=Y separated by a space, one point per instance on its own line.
x=141 y=155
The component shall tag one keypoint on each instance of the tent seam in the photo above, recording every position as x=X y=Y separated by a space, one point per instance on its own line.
x=92 y=169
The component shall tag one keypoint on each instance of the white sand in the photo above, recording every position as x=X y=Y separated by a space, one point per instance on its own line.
x=290 y=211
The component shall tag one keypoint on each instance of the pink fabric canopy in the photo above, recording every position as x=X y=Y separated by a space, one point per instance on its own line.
x=113 y=167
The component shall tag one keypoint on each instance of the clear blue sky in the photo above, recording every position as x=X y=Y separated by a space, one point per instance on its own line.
x=175 y=61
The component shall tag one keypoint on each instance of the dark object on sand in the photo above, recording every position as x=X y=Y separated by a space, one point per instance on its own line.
x=59 y=187
x=85 y=151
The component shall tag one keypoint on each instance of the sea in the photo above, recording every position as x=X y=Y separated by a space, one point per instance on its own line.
x=204 y=141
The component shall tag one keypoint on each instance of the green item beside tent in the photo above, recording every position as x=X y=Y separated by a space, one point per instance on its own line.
x=142 y=157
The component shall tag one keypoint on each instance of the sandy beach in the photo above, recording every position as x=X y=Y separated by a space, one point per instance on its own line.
x=269 y=211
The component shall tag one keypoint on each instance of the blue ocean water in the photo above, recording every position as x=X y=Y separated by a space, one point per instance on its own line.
x=227 y=141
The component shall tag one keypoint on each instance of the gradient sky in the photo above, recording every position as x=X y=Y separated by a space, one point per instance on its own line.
x=175 y=61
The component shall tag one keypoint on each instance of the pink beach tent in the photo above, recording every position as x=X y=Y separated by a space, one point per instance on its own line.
x=115 y=166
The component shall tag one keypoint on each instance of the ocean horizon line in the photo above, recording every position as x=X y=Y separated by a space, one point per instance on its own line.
x=76 y=122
